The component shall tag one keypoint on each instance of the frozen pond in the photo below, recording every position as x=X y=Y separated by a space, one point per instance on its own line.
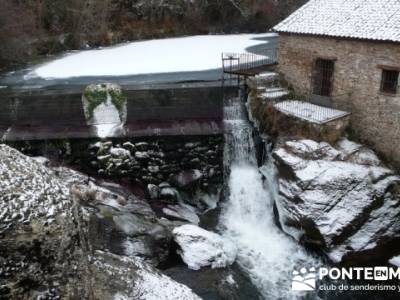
x=194 y=58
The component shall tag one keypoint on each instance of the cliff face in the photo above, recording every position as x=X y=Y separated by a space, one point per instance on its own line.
x=35 y=28
x=341 y=200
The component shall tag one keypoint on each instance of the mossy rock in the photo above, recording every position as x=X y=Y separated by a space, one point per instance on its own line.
x=96 y=94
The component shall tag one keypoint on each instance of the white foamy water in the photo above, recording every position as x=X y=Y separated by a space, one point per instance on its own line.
x=266 y=254
x=106 y=119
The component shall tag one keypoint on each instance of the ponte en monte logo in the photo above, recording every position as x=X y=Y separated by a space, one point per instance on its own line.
x=377 y=278
x=304 y=280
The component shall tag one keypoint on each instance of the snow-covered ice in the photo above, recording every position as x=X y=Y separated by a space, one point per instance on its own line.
x=194 y=53
x=309 y=112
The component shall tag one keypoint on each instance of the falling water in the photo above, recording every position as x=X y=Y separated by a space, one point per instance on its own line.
x=106 y=118
x=266 y=254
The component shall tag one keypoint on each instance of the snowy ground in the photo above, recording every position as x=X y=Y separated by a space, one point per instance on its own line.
x=195 y=53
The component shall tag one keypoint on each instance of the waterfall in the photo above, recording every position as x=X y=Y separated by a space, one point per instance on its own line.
x=266 y=254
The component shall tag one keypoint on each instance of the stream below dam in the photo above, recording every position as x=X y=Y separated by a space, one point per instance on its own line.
x=266 y=254
x=225 y=184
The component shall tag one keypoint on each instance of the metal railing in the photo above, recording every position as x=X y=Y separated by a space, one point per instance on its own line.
x=248 y=64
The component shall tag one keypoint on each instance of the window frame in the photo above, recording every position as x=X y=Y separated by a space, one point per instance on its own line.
x=389 y=91
x=318 y=87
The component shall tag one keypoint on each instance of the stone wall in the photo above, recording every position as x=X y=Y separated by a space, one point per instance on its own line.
x=356 y=84
x=184 y=162
x=274 y=123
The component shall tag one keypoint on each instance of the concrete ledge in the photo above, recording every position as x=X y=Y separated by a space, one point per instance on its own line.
x=137 y=129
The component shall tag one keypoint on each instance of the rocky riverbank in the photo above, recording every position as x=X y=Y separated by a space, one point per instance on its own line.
x=66 y=235
x=61 y=239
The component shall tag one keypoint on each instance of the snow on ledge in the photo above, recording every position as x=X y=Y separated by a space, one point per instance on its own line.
x=309 y=112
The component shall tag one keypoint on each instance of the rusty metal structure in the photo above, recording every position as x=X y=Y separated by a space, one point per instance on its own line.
x=237 y=65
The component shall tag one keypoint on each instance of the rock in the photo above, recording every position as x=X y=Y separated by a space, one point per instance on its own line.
x=104 y=158
x=169 y=194
x=86 y=193
x=46 y=236
x=142 y=155
x=42 y=160
x=142 y=146
x=163 y=185
x=343 y=201
x=154 y=191
x=195 y=161
x=201 y=248
x=128 y=145
x=116 y=277
x=29 y=190
x=191 y=145
x=186 y=178
x=120 y=153
x=121 y=200
x=395 y=261
x=153 y=169
x=182 y=212
x=358 y=154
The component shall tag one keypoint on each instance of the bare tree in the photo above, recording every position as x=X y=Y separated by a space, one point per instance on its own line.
x=90 y=20
x=18 y=30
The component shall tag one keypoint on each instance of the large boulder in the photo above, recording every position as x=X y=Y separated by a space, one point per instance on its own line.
x=342 y=200
x=62 y=239
x=116 y=277
x=200 y=248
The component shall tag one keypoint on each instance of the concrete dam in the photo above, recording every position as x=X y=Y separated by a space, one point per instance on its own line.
x=174 y=109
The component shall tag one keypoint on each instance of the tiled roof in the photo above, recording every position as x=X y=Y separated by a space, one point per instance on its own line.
x=362 y=19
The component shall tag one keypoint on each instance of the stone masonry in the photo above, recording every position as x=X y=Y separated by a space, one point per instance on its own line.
x=356 y=83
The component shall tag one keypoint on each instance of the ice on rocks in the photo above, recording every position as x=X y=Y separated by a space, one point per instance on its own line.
x=201 y=248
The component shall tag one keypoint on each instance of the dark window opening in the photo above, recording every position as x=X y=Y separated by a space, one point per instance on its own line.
x=390 y=81
x=323 y=74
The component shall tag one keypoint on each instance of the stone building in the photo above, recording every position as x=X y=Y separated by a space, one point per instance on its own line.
x=346 y=54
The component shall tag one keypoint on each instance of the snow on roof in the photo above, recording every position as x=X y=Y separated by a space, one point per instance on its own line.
x=309 y=112
x=361 y=19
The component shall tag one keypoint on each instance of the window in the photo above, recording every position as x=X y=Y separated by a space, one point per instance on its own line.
x=323 y=74
x=390 y=79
